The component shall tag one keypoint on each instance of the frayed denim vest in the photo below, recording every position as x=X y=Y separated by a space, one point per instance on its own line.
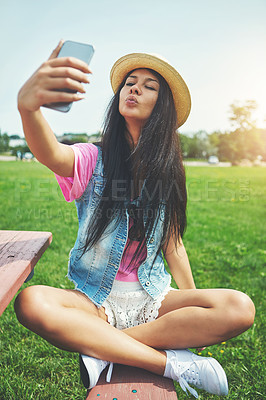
x=93 y=272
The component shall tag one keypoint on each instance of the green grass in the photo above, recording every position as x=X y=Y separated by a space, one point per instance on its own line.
x=225 y=241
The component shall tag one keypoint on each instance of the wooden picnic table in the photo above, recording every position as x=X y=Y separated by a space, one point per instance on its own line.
x=19 y=253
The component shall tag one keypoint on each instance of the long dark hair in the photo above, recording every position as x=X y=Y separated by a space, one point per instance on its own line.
x=155 y=165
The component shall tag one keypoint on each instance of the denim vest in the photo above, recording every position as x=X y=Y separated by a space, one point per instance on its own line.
x=93 y=272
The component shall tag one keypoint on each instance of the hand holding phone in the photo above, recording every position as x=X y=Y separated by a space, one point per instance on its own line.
x=55 y=74
x=81 y=51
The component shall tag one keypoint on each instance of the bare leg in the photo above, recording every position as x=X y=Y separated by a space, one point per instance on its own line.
x=196 y=318
x=70 y=321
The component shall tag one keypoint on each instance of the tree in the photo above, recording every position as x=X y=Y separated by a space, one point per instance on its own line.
x=241 y=115
x=4 y=142
x=246 y=141
x=195 y=146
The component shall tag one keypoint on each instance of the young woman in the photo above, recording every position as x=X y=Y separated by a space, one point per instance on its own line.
x=130 y=195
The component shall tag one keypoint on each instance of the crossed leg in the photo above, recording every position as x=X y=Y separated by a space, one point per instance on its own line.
x=188 y=318
x=197 y=318
x=70 y=321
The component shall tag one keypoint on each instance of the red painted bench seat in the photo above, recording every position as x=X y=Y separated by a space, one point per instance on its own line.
x=19 y=253
x=129 y=383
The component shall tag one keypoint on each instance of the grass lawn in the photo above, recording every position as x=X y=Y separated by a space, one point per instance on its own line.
x=225 y=241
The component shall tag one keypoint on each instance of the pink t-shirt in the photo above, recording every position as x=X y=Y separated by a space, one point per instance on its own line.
x=73 y=188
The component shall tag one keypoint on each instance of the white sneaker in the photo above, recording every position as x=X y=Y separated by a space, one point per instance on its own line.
x=202 y=372
x=91 y=369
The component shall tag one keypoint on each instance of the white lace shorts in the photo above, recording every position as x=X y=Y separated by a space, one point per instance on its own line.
x=128 y=305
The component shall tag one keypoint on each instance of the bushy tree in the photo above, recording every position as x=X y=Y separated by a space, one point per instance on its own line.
x=195 y=145
x=4 y=142
x=245 y=141
x=241 y=115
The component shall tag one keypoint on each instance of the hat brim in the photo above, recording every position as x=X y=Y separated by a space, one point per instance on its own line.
x=176 y=83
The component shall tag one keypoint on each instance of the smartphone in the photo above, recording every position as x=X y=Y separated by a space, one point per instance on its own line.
x=72 y=49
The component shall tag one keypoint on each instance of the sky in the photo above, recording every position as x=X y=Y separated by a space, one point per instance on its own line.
x=218 y=47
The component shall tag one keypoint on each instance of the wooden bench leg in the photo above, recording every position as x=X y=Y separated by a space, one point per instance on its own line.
x=129 y=383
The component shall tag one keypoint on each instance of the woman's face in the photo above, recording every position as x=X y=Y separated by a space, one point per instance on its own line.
x=138 y=96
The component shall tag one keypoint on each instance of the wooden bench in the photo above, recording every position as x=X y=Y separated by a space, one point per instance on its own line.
x=19 y=253
x=130 y=383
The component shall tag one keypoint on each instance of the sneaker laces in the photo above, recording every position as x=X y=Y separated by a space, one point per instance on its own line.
x=109 y=372
x=182 y=376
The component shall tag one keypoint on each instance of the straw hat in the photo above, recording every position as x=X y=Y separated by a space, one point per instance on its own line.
x=176 y=83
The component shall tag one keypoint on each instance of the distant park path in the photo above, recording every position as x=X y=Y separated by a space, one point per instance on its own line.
x=206 y=164
x=186 y=163
x=7 y=158
x=189 y=163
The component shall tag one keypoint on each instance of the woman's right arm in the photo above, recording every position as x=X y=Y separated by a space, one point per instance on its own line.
x=55 y=73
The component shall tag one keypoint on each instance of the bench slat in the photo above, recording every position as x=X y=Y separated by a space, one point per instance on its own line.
x=130 y=383
x=19 y=253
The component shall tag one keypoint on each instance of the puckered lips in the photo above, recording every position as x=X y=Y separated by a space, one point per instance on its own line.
x=131 y=100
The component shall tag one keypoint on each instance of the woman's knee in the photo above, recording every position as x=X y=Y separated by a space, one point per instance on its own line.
x=30 y=306
x=240 y=311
